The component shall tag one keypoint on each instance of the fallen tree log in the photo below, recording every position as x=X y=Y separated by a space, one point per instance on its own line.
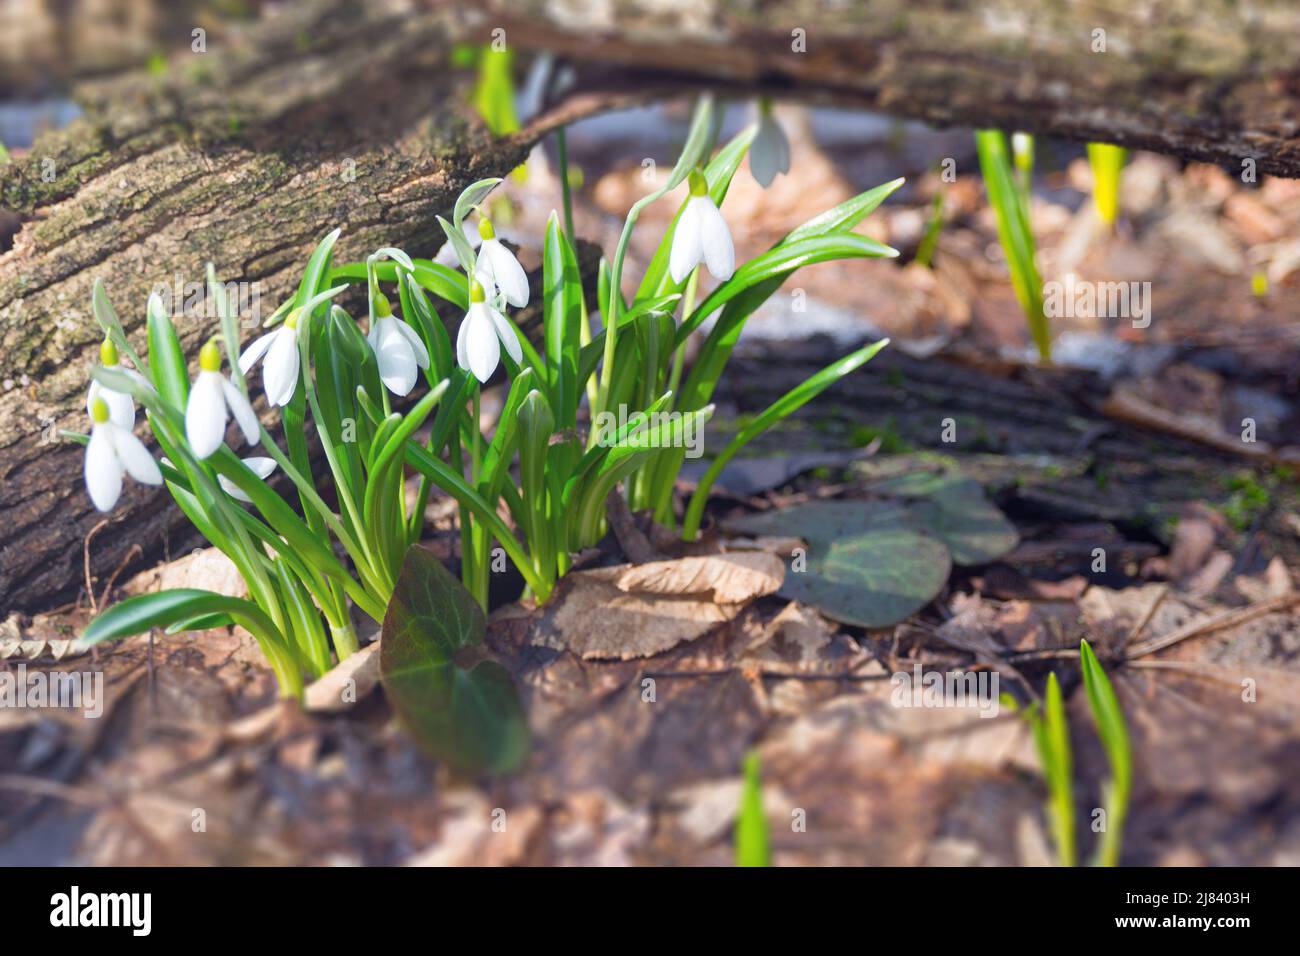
x=1209 y=80
x=243 y=157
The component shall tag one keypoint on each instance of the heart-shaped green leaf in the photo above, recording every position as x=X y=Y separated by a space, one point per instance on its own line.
x=471 y=718
x=869 y=563
x=975 y=531
x=954 y=509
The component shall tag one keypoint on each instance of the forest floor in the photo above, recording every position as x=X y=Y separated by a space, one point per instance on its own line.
x=644 y=700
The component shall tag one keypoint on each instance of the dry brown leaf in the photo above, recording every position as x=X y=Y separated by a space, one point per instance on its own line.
x=204 y=568
x=733 y=578
x=346 y=683
x=625 y=612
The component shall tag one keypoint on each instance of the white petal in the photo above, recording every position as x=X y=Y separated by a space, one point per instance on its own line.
x=280 y=370
x=448 y=256
x=103 y=470
x=506 y=271
x=766 y=152
x=417 y=346
x=687 y=248
x=715 y=237
x=256 y=349
x=784 y=143
x=396 y=359
x=205 y=414
x=462 y=356
x=482 y=347
x=135 y=458
x=507 y=336
x=121 y=407
x=242 y=410
x=262 y=467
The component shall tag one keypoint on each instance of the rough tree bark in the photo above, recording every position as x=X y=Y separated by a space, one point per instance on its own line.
x=1211 y=80
x=330 y=114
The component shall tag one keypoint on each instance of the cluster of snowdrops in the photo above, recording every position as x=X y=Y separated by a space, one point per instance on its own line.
x=536 y=487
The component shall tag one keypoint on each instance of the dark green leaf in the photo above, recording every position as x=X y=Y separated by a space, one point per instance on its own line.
x=869 y=563
x=954 y=509
x=472 y=718
x=166 y=358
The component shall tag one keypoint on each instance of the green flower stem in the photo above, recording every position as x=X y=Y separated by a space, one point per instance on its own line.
x=356 y=548
x=456 y=486
x=562 y=147
x=696 y=146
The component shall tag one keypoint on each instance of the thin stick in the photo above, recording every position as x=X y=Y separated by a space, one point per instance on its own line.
x=133 y=551
x=85 y=561
x=1217 y=623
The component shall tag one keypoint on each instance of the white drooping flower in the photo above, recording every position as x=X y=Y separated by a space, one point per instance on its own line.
x=121 y=406
x=497 y=267
x=397 y=348
x=769 y=154
x=448 y=256
x=280 y=370
x=701 y=236
x=111 y=451
x=262 y=467
x=210 y=398
x=482 y=332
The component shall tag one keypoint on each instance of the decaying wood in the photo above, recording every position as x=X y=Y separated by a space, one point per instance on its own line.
x=1210 y=80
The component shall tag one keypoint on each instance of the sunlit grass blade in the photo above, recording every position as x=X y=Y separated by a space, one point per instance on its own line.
x=161 y=609
x=1052 y=740
x=930 y=238
x=1107 y=162
x=781 y=261
x=1015 y=234
x=445 y=282
x=846 y=215
x=752 y=840
x=1113 y=731
x=778 y=410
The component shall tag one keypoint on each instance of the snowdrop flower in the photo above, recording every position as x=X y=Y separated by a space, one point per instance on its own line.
x=121 y=407
x=396 y=346
x=280 y=370
x=113 y=449
x=478 y=345
x=262 y=467
x=497 y=267
x=770 y=152
x=447 y=254
x=206 y=411
x=701 y=234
